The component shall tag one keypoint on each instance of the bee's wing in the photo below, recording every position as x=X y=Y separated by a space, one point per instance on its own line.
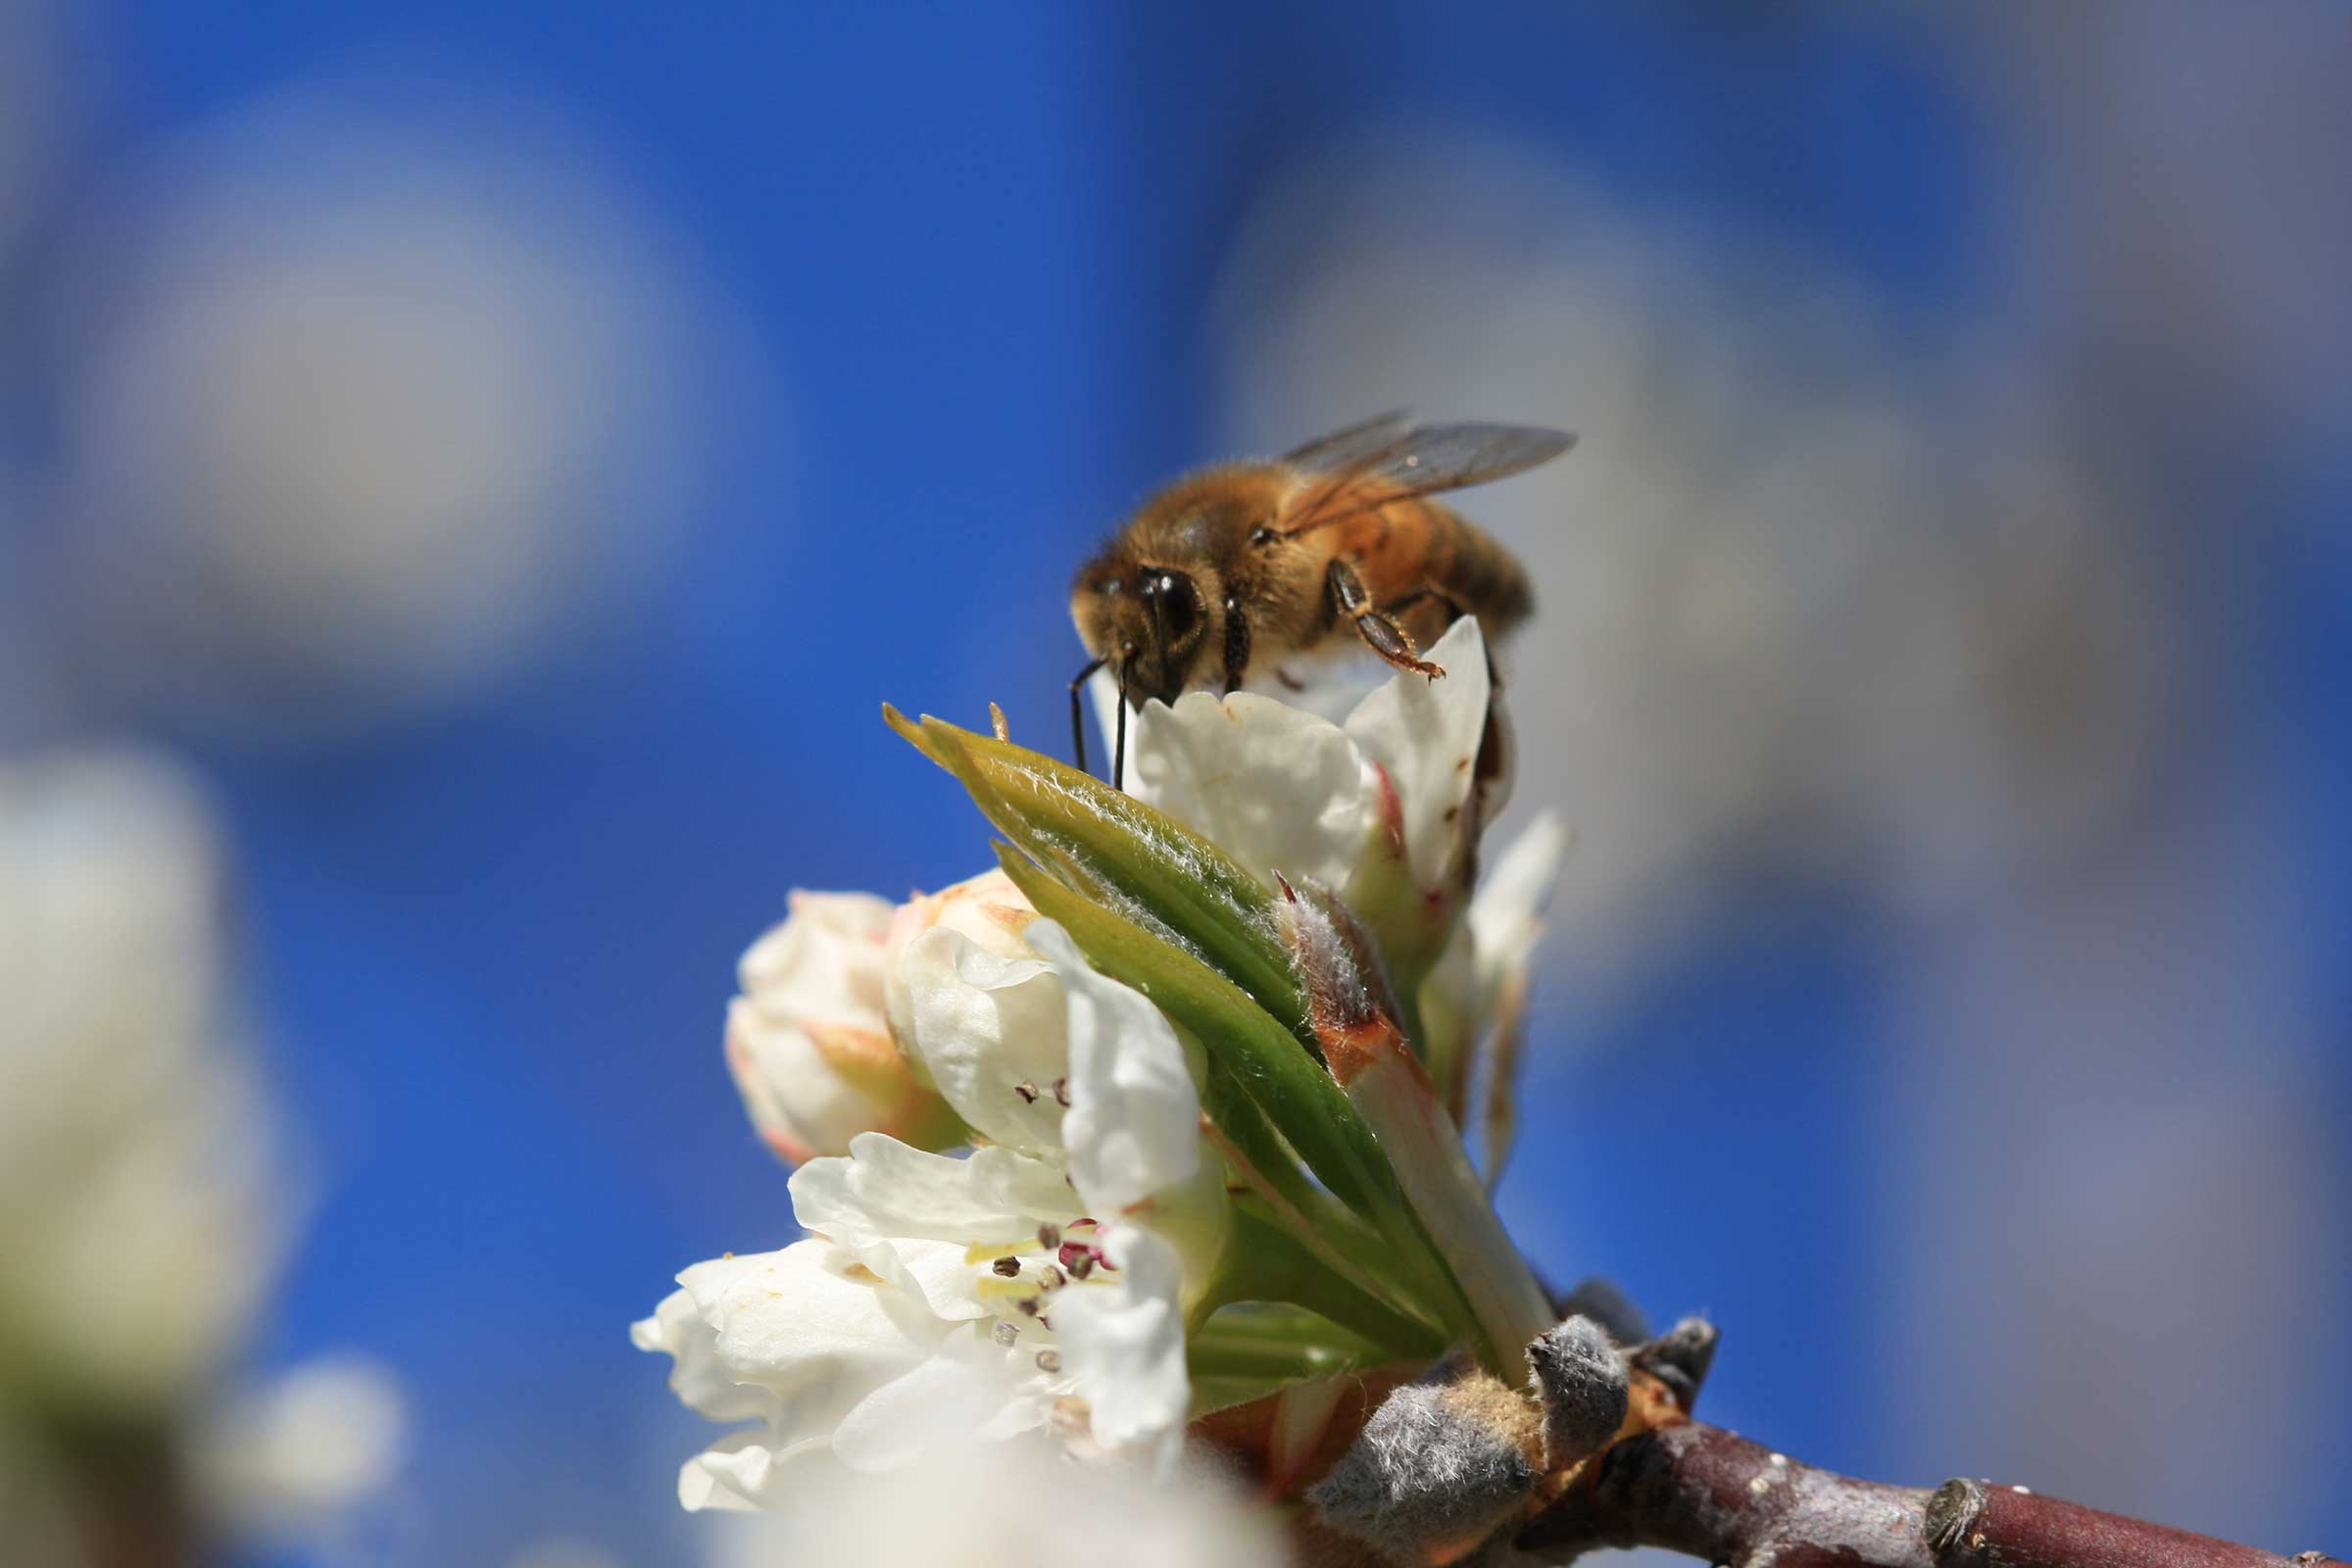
x=1425 y=461
x=1346 y=450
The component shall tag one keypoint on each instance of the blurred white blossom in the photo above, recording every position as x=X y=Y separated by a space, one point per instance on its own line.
x=368 y=407
x=998 y=1505
x=283 y=1458
x=144 y=1197
x=142 y=1210
x=1806 y=599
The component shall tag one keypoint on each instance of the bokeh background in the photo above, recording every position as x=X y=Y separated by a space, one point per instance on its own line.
x=506 y=455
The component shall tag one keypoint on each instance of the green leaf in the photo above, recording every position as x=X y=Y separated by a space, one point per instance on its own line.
x=1341 y=1243
x=1265 y=1262
x=1293 y=1088
x=1260 y=1348
x=1123 y=853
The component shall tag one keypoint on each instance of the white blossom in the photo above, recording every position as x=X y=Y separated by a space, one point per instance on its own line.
x=282 y=1459
x=1381 y=806
x=140 y=1215
x=1042 y=1286
x=1283 y=790
x=359 y=407
x=809 y=1042
x=142 y=1204
x=1038 y=1284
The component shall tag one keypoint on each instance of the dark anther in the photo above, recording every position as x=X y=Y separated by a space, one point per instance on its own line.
x=1048 y=1361
x=1049 y=1236
x=1007 y=1267
x=1027 y=1092
x=1081 y=1264
x=1062 y=1092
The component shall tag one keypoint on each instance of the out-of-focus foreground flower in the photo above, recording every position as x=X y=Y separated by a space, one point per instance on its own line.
x=144 y=1201
x=997 y=1505
x=138 y=1221
x=1209 y=1045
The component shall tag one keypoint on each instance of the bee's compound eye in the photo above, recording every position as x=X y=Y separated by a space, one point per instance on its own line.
x=1261 y=536
x=1175 y=603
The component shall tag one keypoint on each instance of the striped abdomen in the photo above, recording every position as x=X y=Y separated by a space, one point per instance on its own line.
x=1412 y=543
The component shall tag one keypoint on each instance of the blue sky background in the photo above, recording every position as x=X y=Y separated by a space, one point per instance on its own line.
x=974 y=254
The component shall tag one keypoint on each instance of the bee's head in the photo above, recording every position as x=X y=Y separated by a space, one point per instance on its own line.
x=1149 y=622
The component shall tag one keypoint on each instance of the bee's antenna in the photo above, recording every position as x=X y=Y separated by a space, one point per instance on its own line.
x=1118 y=753
x=1078 y=708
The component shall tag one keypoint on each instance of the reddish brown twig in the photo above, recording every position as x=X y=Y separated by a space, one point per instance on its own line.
x=1701 y=1491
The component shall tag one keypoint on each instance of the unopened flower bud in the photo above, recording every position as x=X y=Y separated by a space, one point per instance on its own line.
x=808 y=1042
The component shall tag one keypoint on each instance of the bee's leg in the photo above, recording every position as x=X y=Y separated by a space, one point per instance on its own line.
x=1237 y=642
x=1380 y=633
x=1078 y=711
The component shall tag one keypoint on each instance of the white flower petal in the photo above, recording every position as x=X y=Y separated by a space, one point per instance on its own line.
x=1030 y=1407
x=906 y=1421
x=988 y=908
x=884 y=1189
x=1506 y=914
x=1425 y=735
x=1122 y=1339
x=989 y=1033
x=1134 y=1125
x=1278 y=789
x=800 y=1105
x=679 y=1329
x=1008 y=1505
x=803 y=1325
x=746 y=1470
x=823 y=961
x=286 y=1460
x=809 y=1043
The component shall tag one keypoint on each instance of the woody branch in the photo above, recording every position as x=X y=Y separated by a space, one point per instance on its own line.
x=1698 y=1490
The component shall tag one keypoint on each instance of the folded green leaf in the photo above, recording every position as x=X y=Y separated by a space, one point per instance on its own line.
x=1254 y=1348
x=1123 y=853
x=1265 y=1262
x=1293 y=1088
x=1341 y=1243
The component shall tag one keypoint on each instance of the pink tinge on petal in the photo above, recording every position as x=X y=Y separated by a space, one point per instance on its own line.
x=787 y=1148
x=861 y=1055
x=1389 y=810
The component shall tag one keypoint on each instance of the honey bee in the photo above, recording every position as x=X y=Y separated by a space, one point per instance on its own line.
x=1262 y=562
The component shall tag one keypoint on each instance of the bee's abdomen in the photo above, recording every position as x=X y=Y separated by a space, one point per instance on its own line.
x=1481 y=577
x=1418 y=549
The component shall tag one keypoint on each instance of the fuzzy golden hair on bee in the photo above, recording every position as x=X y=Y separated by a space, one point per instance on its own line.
x=1254 y=565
